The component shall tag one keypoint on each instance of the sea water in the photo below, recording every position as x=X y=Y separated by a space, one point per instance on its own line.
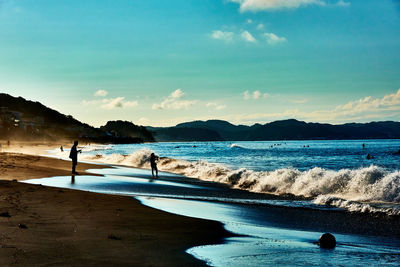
x=335 y=173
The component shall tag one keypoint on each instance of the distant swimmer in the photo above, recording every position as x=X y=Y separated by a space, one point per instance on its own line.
x=363 y=145
x=369 y=156
x=73 y=154
x=153 y=164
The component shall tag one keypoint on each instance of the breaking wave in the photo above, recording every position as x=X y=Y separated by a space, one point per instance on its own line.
x=346 y=188
x=236 y=146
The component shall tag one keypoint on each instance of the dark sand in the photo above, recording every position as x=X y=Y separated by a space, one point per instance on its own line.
x=50 y=226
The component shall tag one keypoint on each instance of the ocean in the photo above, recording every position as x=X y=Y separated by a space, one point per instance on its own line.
x=327 y=172
x=280 y=195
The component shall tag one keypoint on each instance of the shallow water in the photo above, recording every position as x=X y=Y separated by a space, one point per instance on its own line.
x=265 y=243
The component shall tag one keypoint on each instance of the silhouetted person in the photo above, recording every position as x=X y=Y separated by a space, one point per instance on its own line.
x=153 y=164
x=363 y=145
x=61 y=148
x=369 y=156
x=73 y=154
x=8 y=143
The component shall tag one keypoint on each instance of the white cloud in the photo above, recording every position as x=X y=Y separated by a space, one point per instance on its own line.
x=368 y=104
x=174 y=101
x=248 y=37
x=221 y=35
x=249 y=21
x=342 y=3
x=111 y=103
x=364 y=109
x=215 y=105
x=101 y=93
x=254 y=95
x=178 y=93
x=272 y=5
x=273 y=39
x=118 y=102
x=260 y=27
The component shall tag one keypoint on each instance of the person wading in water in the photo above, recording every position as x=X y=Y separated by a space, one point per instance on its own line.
x=153 y=164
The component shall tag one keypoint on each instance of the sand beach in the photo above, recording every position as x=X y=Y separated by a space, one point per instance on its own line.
x=50 y=226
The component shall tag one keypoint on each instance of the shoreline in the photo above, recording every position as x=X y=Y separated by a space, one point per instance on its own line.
x=45 y=225
x=173 y=238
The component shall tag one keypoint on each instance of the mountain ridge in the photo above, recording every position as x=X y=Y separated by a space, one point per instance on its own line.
x=25 y=119
x=290 y=129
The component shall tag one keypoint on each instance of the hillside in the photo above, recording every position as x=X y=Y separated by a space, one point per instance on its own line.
x=127 y=129
x=27 y=120
x=278 y=130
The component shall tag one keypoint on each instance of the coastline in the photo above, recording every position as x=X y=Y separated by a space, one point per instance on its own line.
x=82 y=220
x=72 y=227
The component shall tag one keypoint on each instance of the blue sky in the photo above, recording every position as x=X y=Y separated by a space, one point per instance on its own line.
x=164 y=62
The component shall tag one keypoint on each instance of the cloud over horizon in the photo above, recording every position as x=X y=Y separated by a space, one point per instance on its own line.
x=248 y=37
x=118 y=102
x=109 y=103
x=366 y=108
x=222 y=35
x=101 y=93
x=273 y=39
x=247 y=95
x=174 y=101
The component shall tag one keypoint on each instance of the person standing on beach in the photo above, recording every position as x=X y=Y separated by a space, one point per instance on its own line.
x=73 y=154
x=153 y=164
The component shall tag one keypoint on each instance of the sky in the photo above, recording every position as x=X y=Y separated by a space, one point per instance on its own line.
x=160 y=63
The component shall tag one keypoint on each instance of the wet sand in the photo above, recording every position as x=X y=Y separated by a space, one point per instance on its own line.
x=22 y=166
x=45 y=226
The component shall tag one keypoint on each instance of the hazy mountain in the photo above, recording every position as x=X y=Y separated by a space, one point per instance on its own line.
x=278 y=130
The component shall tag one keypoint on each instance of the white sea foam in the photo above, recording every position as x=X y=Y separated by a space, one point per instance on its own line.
x=346 y=188
x=235 y=146
x=137 y=159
